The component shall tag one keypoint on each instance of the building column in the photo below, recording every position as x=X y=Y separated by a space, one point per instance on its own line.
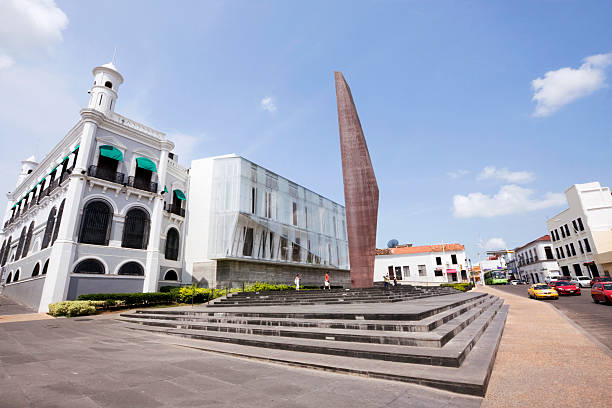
x=152 y=263
x=62 y=252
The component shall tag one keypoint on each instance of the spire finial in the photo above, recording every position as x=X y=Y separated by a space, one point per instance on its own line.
x=114 y=61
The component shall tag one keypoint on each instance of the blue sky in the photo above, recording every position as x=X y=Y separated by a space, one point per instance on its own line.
x=445 y=91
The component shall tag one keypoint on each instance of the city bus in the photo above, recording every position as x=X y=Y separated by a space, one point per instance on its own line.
x=495 y=278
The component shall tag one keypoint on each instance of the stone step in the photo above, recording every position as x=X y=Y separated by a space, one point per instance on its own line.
x=314 y=312
x=451 y=355
x=471 y=378
x=423 y=325
x=437 y=338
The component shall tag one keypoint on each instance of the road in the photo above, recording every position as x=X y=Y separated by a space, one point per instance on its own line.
x=596 y=319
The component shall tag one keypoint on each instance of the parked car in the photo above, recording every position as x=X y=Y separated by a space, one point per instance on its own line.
x=602 y=292
x=542 y=291
x=565 y=288
x=582 y=281
x=515 y=282
x=600 y=279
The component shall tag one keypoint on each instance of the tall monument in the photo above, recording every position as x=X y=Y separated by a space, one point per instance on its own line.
x=360 y=189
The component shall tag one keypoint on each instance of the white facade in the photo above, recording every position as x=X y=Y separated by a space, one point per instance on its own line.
x=93 y=215
x=240 y=211
x=110 y=210
x=536 y=262
x=583 y=230
x=422 y=265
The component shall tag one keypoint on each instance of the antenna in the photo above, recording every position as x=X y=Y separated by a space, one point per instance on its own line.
x=114 y=61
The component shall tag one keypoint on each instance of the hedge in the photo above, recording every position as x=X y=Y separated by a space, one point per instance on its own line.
x=132 y=299
x=72 y=308
x=464 y=287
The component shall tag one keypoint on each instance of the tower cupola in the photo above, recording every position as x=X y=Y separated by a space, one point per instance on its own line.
x=105 y=87
x=27 y=166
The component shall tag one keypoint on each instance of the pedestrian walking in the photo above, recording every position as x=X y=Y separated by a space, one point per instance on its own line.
x=327 y=283
x=297 y=282
x=386 y=280
x=394 y=282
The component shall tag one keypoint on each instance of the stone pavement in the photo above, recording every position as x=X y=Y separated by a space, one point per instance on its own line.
x=11 y=311
x=96 y=362
x=545 y=360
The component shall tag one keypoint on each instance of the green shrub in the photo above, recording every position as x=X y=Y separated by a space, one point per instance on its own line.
x=264 y=287
x=131 y=299
x=72 y=308
x=464 y=287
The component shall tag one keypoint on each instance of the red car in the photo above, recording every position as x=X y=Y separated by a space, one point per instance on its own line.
x=602 y=292
x=600 y=279
x=565 y=288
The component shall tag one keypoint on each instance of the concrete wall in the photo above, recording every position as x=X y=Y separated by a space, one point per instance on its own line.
x=83 y=284
x=26 y=291
x=234 y=273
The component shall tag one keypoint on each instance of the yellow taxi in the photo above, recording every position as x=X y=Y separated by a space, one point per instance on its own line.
x=542 y=291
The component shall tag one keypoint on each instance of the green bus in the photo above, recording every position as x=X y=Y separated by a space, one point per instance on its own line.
x=495 y=278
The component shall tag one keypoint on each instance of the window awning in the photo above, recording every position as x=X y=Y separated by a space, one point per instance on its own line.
x=146 y=164
x=76 y=147
x=42 y=181
x=451 y=271
x=165 y=189
x=53 y=169
x=111 y=152
x=65 y=158
x=180 y=195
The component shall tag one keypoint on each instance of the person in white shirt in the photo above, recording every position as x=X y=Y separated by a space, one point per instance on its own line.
x=297 y=282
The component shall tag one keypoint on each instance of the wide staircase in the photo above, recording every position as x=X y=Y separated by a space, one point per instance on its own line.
x=438 y=337
x=334 y=296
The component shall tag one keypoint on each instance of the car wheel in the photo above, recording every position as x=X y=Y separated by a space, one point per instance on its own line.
x=595 y=300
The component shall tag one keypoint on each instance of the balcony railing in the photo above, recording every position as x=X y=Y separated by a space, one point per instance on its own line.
x=105 y=174
x=142 y=184
x=174 y=210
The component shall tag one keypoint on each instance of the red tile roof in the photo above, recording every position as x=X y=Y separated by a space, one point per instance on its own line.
x=420 y=249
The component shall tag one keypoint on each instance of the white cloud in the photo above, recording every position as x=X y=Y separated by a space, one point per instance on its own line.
x=494 y=244
x=6 y=61
x=267 y=104
x=518 y=177
x=186 y=145
x=560 y=87
x=457 y=173
x=28 y=27
x=510 y=199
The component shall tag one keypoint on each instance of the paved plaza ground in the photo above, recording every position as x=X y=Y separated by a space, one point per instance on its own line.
x=98 y=362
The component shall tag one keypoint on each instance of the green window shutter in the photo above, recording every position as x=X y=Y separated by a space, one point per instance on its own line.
x=180 y=195
x=111 y=152
x=146 y=164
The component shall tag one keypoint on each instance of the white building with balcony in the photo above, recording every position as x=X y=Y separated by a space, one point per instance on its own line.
x=582 y=234
x=108 y=210
x=535 y=261
x=422 y=265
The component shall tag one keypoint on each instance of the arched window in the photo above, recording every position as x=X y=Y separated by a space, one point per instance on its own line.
x=172 y=244
x=2 y=251
x=16 y=276
x=89 y=266
x=96 y=223
x=49 y=228
x=136 y=229
x=171 y=276
x=9 y=277
x=108 y=84
x=58 y=221
x=28 y=241
x=131 y=268
x=7 y=250
x=45 y=267
x=36 y=270
x=20 y=243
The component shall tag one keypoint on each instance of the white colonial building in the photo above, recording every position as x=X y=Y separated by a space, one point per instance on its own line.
x=107 y=210
x=422 y=265
x=535 y=261
x=582 y=234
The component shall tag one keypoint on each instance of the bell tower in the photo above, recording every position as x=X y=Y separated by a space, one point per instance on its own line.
x=105 y=87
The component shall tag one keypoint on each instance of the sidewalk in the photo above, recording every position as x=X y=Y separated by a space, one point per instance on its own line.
x=11 y=311
x=544 y=360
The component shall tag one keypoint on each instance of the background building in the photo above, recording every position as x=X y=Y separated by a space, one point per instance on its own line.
x=420 y=265
x=535 y=261
x=582 y=234
x=248 y=224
